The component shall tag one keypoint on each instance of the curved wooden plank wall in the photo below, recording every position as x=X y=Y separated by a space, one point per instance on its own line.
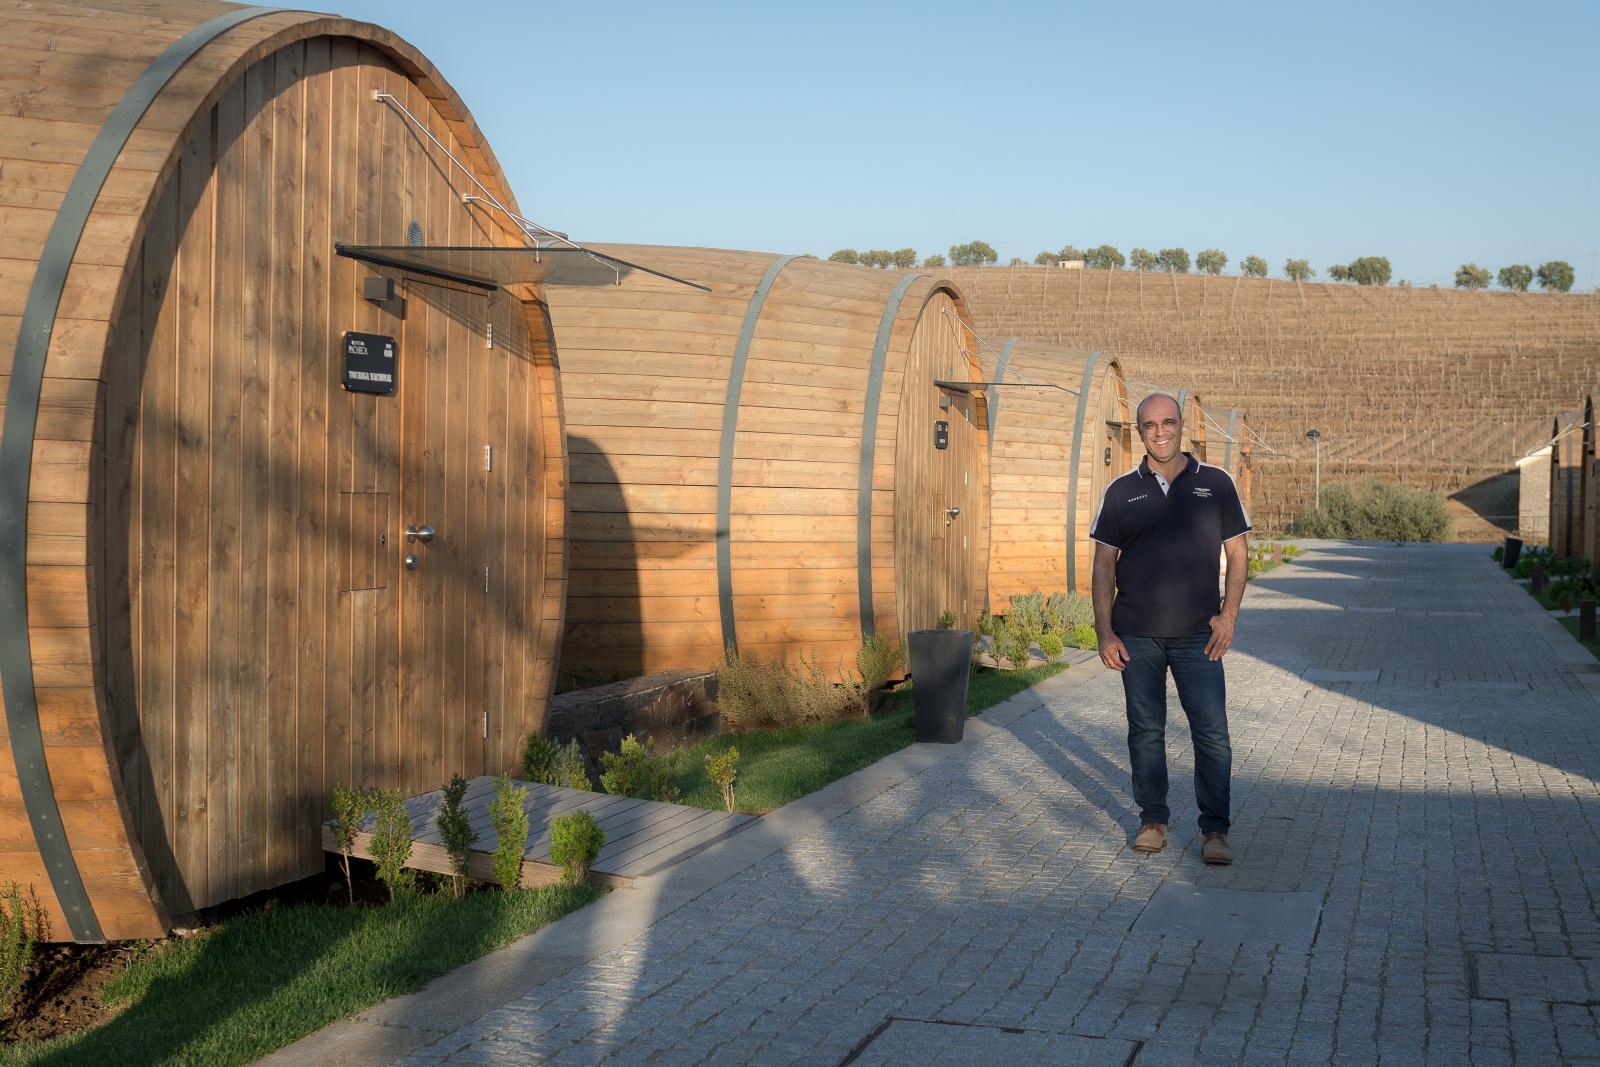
x=1566 y=485
x=723 y=490
x=213 y=581
x=1589 y=480
x=1051 y=455
x=1236 y=451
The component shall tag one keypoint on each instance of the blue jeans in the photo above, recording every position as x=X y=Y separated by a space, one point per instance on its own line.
x=1202 y=690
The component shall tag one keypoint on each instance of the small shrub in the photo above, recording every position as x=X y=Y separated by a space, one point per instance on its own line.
x=1371 y=510
x=391 y=841
x=547 y=763
x=510 y=821
x=1028 y=610
x=756 y=694
x=947 y=620
x=350 y=805
x=456 y=832
x=878 y=661
x=23 y=924
x=1016 y=640
x=627 y=771
x=1063 y=611
x=751 y=692
x=539 y=759
x=575 y=841
x=723 y=770
x=1052 y=645
x=1087 y=638
x=988 y=625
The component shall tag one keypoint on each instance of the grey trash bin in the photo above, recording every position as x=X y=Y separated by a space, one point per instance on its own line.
x=941 y=664
x=1511 y=553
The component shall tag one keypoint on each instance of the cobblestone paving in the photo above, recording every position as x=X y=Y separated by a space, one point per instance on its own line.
x=1447 y=814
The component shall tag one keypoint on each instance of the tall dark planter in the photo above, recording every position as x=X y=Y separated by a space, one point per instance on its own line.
x=941 y=664
x=1511 y=553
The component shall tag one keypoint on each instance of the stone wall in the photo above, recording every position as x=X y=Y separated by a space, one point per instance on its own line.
x=675 y=709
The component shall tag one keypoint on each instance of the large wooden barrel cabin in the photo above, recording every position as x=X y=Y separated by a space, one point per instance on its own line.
x=1589 y=482
x=217 y=434
x=1566 y=485
x=1236 y=451
x=792 y=461
x=1059 y=430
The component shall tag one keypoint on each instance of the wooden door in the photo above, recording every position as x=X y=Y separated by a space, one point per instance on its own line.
x=956 y=512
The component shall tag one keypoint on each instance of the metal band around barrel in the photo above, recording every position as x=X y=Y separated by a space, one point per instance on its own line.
x=1072 y=479
x=994 y=403
x=1227 y=447
x=16 y=463
x=730 y=428
x=869 y=448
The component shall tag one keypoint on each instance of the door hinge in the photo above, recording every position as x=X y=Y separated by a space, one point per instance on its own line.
x=489 y=335
x=486 y=578
x=488 y=457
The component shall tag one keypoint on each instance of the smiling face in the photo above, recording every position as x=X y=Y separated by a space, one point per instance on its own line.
x=1160 y=427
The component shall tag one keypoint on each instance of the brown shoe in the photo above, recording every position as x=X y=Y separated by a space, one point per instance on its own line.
x=1216 y=850
x=1152 y=837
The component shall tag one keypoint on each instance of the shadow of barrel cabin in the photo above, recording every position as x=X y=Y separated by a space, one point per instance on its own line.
x=219 y=615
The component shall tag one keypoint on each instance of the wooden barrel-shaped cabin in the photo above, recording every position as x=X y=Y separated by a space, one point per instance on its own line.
x=1059 y=431
x=1566 y=485
x=1194 y=421
x=1589 y=483
x=1236 y=451
x=792 y=461
x=216 y=434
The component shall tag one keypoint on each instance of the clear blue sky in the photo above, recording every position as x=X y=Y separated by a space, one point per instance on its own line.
x=1433 y=134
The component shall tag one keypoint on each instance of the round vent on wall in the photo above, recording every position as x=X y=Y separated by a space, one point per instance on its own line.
x=414 y=235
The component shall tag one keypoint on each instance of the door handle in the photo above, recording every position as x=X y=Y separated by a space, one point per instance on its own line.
x=419 y=533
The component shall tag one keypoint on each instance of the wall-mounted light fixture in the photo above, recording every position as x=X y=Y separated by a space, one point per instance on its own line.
x=941 y=435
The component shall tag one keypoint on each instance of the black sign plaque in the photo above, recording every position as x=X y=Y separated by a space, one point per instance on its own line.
x=370 y=363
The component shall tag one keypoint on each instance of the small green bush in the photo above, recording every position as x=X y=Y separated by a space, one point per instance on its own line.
x=350 y=806
x=391 y=841
x=756 y=694
x=23 y=924
x=1052 y=645
x=722 y=770
x=510 y=821
x=547 y=763
x=947 y=620
x=879 y=660
x=1028 y=609
x=636 y=771
x=575 y=841
x=988 y=625
x=1063 y=611
x=1372 y=510
x=1087 y=638
x=1016 y=640
x=456 y=832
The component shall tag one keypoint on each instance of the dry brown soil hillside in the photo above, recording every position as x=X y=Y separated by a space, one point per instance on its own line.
x=1430 y=387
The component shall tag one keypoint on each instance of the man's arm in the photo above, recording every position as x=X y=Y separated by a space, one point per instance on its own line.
x=1237 y=550
x=1113 y=653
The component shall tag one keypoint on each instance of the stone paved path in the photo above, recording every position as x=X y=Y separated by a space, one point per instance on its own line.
x=1419 y=864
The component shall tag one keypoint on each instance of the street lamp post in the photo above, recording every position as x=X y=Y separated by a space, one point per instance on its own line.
x=1316 y=498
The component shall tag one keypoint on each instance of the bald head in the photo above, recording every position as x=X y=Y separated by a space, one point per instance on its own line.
x=1157 y=407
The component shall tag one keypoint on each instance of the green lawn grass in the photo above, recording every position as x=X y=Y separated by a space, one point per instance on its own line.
x=777 y=766
x=1571 y=623
x=263 y=980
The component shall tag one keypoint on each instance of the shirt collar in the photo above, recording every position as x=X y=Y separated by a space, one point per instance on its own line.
x=1193 y=467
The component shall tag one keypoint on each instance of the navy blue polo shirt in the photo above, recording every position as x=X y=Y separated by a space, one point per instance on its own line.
x=1169 y=543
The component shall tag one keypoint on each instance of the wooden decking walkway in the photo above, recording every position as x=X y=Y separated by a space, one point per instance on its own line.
x=642 y=836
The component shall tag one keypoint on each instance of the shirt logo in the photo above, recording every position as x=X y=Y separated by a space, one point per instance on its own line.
x=1202 y=491
x=1141 y=496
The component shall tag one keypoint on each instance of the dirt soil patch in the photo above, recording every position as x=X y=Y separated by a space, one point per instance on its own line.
x=63 y=991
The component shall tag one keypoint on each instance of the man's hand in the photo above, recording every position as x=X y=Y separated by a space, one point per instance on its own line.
x=1221 y=637
x=1113 y=653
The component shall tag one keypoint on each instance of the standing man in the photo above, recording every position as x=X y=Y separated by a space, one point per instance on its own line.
x=1157 y=536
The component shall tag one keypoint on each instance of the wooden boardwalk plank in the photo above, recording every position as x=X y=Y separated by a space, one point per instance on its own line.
x=642 y=836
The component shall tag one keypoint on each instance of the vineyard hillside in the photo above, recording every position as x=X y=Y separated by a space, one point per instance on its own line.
x=1436 y=388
